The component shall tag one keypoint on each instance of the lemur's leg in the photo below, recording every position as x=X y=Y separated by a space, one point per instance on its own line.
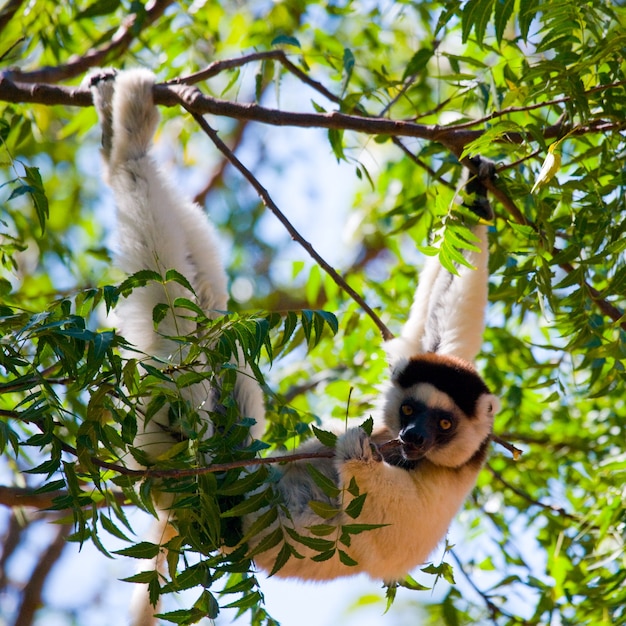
x=159 y=228
x=447 y=315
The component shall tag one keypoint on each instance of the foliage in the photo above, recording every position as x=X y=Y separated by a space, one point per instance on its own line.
x=502 y=78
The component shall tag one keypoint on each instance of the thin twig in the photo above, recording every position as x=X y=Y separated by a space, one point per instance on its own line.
x=522 y=494
x=537 y=105
x=216 y=67
x=516 y=452
x=493 y=609
x=295 y=235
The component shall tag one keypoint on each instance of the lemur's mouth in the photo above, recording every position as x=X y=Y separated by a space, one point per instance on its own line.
x=413 y=452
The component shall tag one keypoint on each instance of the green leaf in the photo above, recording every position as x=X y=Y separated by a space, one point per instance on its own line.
x=326 y=484
x=476 y=15
x=356 y=506
x=262 y=523
x=325 y=437
x=251 y=504
x=368 y=425
x=286 y=552
x=315 y=543
x=417 y=62
x=527 y=13
x=173 y=275
x=348 y=67
x=98 y=8
x=408 y=582
x=347 y=560
x=38 y=195
x=503 y=12
x=285 y=40
x=268 y=542
x=443 y=570
x=390 y=595
x=111 y=528
x=182 y=616
x=157 y=373
x=244 y=484
x=323 y=509
x=208 y=605
x=335 y=137
x=139 y=279
x=142 y=550
x=322 y=530
x=324 y=556
x=143 y=577
x=160 y=312
x=357 y=529
x=248 y=601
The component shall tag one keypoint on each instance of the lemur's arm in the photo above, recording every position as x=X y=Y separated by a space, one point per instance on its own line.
x=447 y=315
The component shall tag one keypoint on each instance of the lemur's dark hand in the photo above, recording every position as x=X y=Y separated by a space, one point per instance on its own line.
x=485 y=170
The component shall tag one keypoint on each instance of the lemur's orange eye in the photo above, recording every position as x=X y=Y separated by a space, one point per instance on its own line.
x=406 y=409
x=445 y=424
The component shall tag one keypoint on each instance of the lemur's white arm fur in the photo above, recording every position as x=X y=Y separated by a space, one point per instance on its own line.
x=447 y=315
x=435 y=407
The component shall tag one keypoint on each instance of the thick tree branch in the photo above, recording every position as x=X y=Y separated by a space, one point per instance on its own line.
x=120 y=41
x=197 y=103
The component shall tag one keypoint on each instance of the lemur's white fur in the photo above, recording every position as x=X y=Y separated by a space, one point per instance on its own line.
x=460 y=300
x=443 y=427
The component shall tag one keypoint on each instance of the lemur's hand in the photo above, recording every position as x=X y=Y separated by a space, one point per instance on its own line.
x=355 y=445
x=485 y=170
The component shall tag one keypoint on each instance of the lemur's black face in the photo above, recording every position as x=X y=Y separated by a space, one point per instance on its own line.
x=422 y=428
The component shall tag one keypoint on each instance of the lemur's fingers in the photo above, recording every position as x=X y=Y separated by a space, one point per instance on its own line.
x=485 y=170
x=101 y=82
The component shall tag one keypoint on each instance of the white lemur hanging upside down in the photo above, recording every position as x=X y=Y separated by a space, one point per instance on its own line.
x=435 y=407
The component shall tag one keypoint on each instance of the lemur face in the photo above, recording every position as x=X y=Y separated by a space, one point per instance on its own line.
x=440 y=409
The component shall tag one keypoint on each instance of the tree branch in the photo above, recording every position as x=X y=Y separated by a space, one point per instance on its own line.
x=536 y=105
x=118 y=43
x=295 y=235
x=28 y=497
x=31 y=597
x=8 y=11
x=197 y=103
x=522 y=494
x=494 y=609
